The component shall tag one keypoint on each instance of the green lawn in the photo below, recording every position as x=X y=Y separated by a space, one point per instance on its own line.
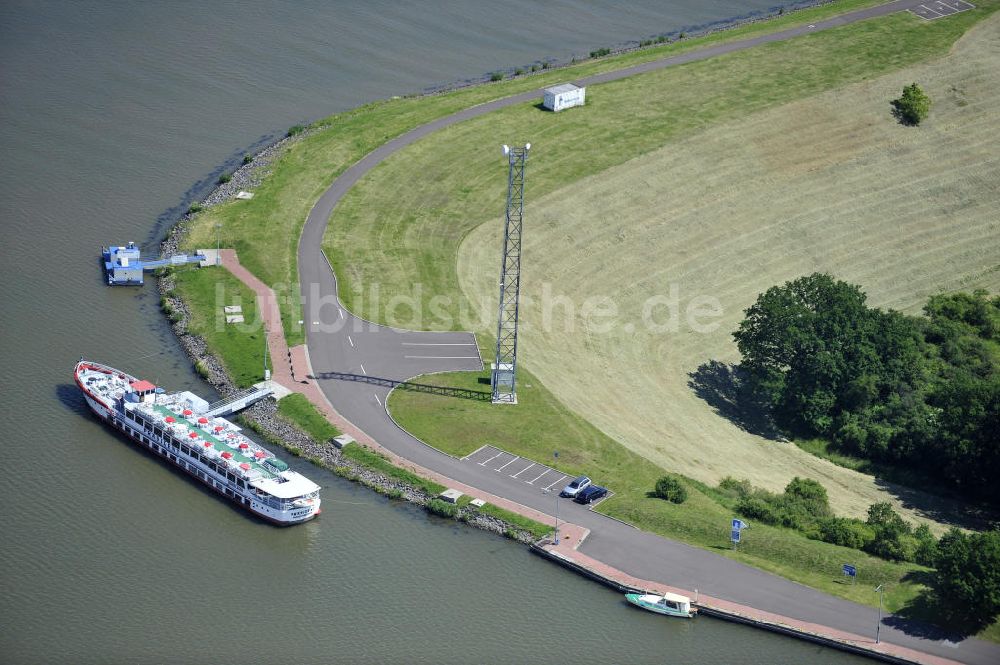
x=300 y=412
x=378 y=462
x=265 y=230
x=240 y=347
x=539 y=425
x=399 y=229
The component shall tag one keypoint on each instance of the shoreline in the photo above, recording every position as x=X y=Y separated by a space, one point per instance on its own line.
x=263 y=418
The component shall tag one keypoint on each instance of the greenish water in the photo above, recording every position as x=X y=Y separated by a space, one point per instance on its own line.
x=109 y=113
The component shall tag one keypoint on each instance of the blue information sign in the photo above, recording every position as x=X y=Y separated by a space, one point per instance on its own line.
x=850 y=570
x=735 y=535
x=739 y=524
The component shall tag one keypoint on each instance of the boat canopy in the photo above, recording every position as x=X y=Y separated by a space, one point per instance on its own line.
x=277 y=464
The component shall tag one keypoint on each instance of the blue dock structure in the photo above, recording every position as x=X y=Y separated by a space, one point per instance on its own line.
x=123 y=265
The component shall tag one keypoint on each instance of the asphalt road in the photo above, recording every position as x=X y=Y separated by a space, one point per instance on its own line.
x=340 y=344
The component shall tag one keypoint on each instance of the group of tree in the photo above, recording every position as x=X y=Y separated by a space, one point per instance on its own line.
x=967 y=576
x=804 y=506
x=917 y=392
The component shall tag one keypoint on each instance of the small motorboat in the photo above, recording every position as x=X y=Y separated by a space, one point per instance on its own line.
x=671 y=604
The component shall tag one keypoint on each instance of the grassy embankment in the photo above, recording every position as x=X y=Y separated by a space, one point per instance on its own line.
x=540 y=425
x=829 y=183
x=265 y=230
x=402 y=224
x=205 y=291
x=296 y=409
x=240 y=346
x=945 y=237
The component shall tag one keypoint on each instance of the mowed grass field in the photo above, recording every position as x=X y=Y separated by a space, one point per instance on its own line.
x=398 y=230
x=265 y=231
x=828 y=183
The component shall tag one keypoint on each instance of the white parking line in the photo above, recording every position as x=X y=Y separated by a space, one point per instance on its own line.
x=378 y=400
x=523 y=470
x=351 y=340
x=508 y=464
x=530 y=482
x=473 y=453
x=557 y=482
x=441 y=357
x=438 y=343
x=485 y=462
x=363 y=369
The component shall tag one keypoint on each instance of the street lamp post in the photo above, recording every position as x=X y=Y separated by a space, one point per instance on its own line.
x=556 y=455
x=878 y=626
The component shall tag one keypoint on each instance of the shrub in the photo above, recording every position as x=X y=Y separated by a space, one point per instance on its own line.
x=968 y=573
x=518 y=72
x=682 y=35
x=442 y=508
x=195 y=208
x=295 y=129
x=847 y=532
x=645 y=42
x=671 y=488
x=534 y=68
x=756 y=507
x=224 y=178
x=927 y=546
x=735 y=487
x=247 y=159
x=892 y=539
x=496 y=76
x=599 y=53
x=808 y=497
x=662 y=39
x=546 y=65
x=913 y=106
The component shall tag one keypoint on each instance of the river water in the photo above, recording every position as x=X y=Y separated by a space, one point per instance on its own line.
x=112 y=115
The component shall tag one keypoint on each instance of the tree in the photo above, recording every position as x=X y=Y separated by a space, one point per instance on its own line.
x=913 y=106
x=968 y=573
x=671 y=488
x=892 y=532
x=807 y=495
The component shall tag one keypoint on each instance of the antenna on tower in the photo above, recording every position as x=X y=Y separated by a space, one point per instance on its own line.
x=503 y=378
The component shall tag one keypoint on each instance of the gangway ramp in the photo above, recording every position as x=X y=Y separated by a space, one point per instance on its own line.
x=239 y=400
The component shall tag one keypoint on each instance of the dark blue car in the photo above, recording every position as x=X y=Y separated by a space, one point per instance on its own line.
x=591 y=493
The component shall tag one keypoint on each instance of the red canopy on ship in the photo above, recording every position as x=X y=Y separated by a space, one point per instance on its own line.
x=187 y=412
x=260 y=454
x=219 y=428
x=203 y=420
x=170 y=419
x=227 y=455
x=245 y=466
x=193 y=435
x=244 y=446
x=208 y=444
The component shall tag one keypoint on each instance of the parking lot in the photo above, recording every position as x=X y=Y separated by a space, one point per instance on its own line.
x=521 y=469
x=938 y=8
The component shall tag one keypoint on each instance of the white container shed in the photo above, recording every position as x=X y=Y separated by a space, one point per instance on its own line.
x=563 y=96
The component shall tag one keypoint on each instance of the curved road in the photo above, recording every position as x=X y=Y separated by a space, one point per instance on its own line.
x=339 y=342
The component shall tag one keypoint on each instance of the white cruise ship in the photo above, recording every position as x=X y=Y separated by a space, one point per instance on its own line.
x=211 y=449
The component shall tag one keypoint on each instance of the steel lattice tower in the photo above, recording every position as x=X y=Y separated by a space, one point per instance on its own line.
x=510 y=280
